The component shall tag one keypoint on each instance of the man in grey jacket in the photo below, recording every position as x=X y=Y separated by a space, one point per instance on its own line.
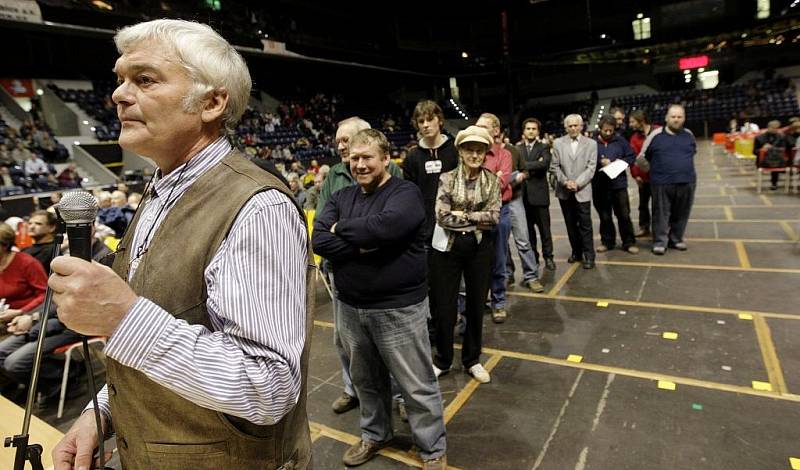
x=574 y=162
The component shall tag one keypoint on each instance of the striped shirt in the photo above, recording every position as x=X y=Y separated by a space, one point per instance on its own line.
x=248 y=365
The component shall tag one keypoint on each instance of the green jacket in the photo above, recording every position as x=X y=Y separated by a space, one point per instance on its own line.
x=340 y=177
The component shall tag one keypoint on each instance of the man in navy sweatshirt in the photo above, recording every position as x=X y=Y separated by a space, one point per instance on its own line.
x=669 y=153
x=611 y=195
x=374 y=234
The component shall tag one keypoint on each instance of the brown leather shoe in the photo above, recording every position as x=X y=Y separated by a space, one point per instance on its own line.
x=435 y=464
x=361 y=452
x=499 y=315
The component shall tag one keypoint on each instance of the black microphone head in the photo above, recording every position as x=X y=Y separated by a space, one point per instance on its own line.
x=78 y=207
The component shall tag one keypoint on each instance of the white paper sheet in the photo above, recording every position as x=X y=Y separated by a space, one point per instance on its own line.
x=614 y=168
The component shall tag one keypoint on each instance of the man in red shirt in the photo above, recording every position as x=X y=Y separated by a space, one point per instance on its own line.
x=499 y=161
x=641 y=127
x=22 y=279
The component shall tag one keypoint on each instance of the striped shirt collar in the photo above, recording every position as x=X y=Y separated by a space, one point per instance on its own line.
x=190 y=171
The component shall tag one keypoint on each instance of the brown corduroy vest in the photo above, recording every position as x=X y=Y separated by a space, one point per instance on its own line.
x=155 y=427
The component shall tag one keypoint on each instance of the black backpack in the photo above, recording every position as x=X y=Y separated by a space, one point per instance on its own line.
x=774 y=158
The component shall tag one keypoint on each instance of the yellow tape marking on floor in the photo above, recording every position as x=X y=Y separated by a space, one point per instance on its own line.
x=666 y=385
x=468 y=390
x=789 y=231
x=744 y=261
x=767 y=201
x=763 y=386
x=728 y=213
x=770 y=356
x=684 y=308
x=564 y=279
x=795 y=463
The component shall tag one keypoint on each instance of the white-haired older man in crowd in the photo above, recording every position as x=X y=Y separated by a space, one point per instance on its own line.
x=208 y=306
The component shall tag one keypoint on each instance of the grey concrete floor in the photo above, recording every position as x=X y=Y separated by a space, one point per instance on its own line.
x=628 y=398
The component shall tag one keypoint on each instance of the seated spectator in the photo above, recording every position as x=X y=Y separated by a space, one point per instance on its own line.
x=111 y=216
x=35 y=167
x=69 y=178
x=8 y=185
x=5 y=156
x=774 y=144
x=19 y=153
x=297 y=190
x=42 y=229
x=312 y=194
x=313 y=167
x=22 y=278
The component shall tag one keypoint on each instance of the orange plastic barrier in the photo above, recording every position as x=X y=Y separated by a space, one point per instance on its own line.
x=719 y=138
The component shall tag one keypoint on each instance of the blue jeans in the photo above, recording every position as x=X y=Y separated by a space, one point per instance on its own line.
x=348 y=384
x=519 y=228
x=17 y=352
x=502 y=231
x=395 y=340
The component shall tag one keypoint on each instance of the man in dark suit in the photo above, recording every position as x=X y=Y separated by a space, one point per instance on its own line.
x=536 y=197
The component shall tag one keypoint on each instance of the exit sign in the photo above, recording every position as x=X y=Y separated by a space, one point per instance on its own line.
x=696 y=62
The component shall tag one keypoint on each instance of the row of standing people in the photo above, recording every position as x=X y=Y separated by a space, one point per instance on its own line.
x=398 y=249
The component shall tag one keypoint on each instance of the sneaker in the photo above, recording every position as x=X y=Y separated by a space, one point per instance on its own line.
x=361 y=452
x=680 y=246
x=440 y=372
x=435 y=464
x=479 y=373
x=549 y=264
x=632 y=249
x=659 y=250
x=602 y=249
x=401 y=410
x=344 y=404
x=535 y=286
x=499 y=315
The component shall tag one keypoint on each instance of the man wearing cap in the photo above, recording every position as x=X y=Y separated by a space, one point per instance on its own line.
x=374 y=235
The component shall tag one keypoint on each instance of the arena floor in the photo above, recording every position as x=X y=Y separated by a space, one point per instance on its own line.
x=682 y=361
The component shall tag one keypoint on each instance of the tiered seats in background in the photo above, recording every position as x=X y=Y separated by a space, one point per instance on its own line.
x=755 y=99
x=552 y=115
x=97 y=104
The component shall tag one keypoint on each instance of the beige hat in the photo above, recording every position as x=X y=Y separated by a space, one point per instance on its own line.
x=474 y=134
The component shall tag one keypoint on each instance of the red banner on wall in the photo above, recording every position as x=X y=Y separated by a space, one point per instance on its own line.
x=18 y=87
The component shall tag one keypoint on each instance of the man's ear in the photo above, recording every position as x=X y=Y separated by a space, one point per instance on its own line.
x=214 y=105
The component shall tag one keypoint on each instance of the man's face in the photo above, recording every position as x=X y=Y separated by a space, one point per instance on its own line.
x=531 y=131
x=620 y=117
x=429 y=126
x=573 y=127
x=472 y=154
x=634 y=124
x=38 y=227
x=118 y=200
x=486 y=123
x=368 y=165
x=318 y=182
x=293 y=185
x=675 y=118
x=343 y=134
x=149 y=99
x=607 y=132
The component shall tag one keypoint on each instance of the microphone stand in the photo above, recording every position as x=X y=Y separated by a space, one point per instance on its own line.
x=33 y=452
x=25 y=451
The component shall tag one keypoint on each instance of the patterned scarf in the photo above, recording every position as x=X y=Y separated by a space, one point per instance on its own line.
x=485 y=188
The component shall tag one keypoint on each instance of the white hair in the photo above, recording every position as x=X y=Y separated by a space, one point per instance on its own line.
x=355 y=124
x=103 y=196
x=211 y=62
x=573 y=117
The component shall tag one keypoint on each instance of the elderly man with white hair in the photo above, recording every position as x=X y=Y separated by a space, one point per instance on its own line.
x=208 y=306
x=574 y=162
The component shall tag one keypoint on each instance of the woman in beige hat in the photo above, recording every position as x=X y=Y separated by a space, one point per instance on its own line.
x=467 y=207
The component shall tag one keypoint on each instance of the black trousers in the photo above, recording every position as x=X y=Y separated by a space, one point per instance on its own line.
x=672 y=205
x=474 y=261
x=539 y=216
x=608 y=200
x=645 y=193
x=578 y=218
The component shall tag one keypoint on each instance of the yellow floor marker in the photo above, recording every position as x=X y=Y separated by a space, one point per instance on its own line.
x=602 y=303
x=762 y=386
x=667 y=385
x=574 y=358
x=745 y=316
x=795 y=463
x=669 y=335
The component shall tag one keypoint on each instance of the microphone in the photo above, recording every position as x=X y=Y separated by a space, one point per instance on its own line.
x=79 y=209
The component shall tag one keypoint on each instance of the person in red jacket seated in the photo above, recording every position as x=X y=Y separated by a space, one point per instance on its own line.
x=640 y=124
x=22 y=279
